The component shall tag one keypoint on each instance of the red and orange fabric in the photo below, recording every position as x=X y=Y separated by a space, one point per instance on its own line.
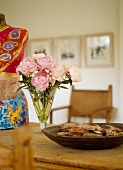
x=12 y=44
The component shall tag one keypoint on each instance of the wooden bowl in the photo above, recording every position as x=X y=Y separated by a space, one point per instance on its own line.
x=82 y=142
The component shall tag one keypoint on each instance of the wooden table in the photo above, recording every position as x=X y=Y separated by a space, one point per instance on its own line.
x=50 y=155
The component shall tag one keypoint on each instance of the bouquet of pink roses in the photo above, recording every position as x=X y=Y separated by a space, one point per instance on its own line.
x=41 y=76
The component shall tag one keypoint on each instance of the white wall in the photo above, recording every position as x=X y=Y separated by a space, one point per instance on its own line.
x=121 y=56
x=51 y=18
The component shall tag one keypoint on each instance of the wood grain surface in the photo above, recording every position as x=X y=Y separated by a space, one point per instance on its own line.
x=50 y=155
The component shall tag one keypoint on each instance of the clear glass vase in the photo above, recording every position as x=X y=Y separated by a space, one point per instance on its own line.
x=43 y=106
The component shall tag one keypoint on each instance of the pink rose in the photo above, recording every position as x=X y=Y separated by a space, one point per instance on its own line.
x=75 y=74
x=40 y=81
x=47 y=62
x=67 y=67
x=39 y=55
x=58 y=73
x=27 y=66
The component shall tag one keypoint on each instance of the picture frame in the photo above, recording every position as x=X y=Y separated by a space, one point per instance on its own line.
x=66 y=50
x=98 y=50
x=44 y=45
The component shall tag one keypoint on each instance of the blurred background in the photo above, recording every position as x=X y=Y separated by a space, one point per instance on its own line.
x=54 y=18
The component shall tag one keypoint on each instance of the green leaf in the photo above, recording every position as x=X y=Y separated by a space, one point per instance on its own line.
x=65 y=82
x=20 y=81
x=21 y=87
x=63 y=87
x=70 y=81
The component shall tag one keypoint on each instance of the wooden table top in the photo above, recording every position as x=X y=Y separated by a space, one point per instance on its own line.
x=50 y=155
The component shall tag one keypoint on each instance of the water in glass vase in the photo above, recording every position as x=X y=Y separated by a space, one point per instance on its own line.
x=42 y=104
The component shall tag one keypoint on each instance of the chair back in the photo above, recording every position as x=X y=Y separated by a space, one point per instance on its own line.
x=91 y=103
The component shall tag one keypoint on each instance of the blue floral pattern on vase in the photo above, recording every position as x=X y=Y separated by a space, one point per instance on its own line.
x=14 y=112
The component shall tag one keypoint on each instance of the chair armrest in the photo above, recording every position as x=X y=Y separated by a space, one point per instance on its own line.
x=104 y=109
x=57 y=108
x=94 y=112
x=101 y=109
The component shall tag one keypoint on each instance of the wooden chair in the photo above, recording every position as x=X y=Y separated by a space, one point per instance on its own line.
x=89 y=103
x=18 y=157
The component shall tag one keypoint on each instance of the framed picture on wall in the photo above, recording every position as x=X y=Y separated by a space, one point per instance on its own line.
x=39 y=45
x=98 y=50
x=67 y=50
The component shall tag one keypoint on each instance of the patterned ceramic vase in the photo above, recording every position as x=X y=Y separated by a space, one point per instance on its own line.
x=14 y=112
